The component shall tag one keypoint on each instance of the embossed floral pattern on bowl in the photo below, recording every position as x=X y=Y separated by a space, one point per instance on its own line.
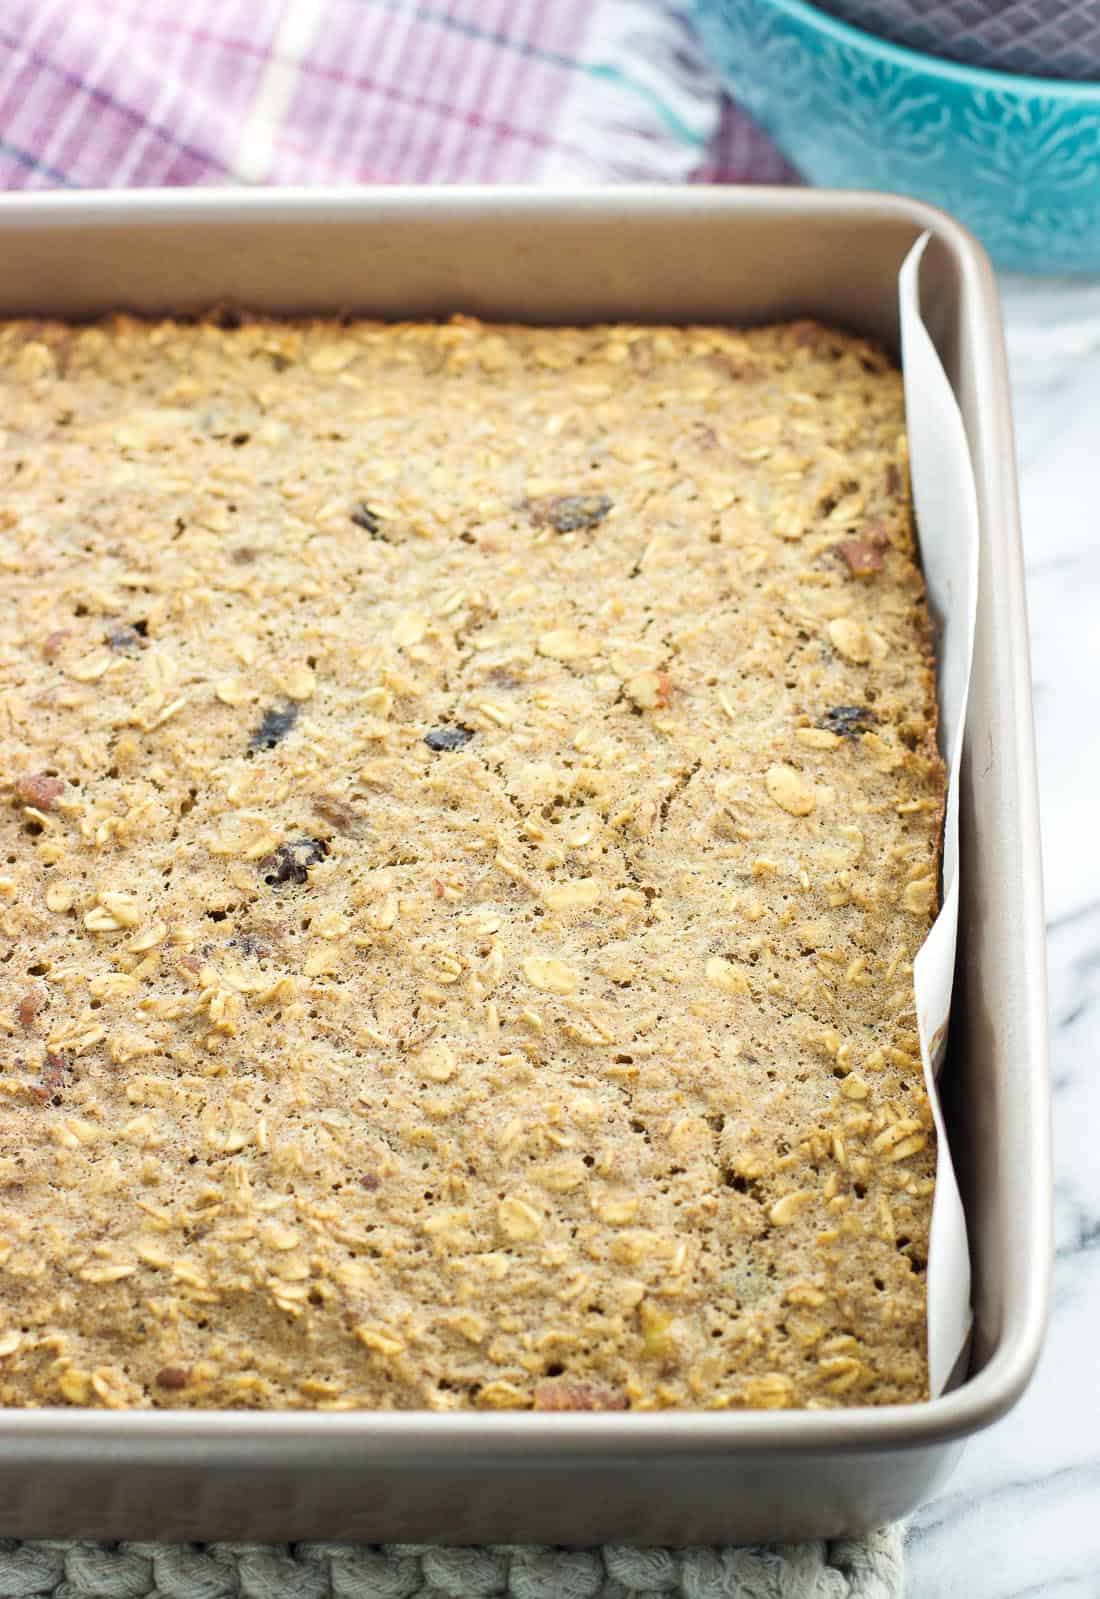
x=1016 y=159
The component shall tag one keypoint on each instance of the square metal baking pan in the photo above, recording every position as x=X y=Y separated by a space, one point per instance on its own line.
x=674 y=1477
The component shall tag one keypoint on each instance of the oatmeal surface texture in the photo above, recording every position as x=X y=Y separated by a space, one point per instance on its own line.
x=469 y=805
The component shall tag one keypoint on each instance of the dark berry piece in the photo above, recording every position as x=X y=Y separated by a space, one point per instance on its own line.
x=367 y=519
x=447 y=738
x=848 y=720
x=291 y=862
x=567 y=513
x=125 y=640
x=274 y=727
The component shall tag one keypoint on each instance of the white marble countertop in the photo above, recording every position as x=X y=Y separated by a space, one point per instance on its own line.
x=1021 y=1516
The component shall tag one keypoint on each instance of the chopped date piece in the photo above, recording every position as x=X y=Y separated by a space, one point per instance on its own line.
x=53 y=642
x=649 y=691
x=806 y=333
x=291 y=862
x=173 y=1377
x=51 y=1079
x=569 y=1395
x=567 y=513
x=848 y=720
x=274 y=727
x=447 y=738
x=735 y=368
x=863 y=552
x=368 y=520
x=369 y=1181
x=39 y=790
x=337 y=812
x=28 y=1008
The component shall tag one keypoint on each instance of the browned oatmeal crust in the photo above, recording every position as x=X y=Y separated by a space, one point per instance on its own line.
x=469 y=803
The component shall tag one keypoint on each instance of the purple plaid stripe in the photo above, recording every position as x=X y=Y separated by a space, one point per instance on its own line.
x=443 y=119
x=42 y=63
x=108 y=109
x=99 y=93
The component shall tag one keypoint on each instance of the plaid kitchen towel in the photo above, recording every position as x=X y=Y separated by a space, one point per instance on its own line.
x=133 y=93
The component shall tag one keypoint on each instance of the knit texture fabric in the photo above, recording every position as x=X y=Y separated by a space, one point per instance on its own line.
x=868 y=1569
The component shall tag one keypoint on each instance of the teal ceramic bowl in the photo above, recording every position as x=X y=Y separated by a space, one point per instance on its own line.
x=1016 y=159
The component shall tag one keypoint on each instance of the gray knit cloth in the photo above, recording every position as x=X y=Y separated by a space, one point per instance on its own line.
x=870 y=1568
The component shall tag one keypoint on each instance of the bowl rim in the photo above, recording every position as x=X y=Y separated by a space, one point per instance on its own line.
x=1086 y=91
